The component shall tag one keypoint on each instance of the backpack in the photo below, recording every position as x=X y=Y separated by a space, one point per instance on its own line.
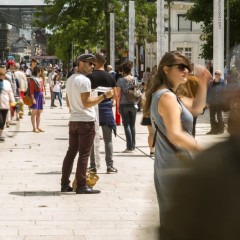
x=133 y=93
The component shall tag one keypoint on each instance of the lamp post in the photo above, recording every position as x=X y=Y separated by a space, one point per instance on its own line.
x=228 y=38
x=33 y=43
x=131 y=44
x=160 y=29
x=218 y=35
x=112 y=40
x=169 y=26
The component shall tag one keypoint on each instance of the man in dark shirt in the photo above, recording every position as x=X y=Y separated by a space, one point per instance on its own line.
x=101 y=78
x=215 y=103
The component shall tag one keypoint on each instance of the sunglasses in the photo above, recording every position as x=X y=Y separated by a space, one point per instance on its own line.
x=180 y=66
x=218 y=74
x=89 y=63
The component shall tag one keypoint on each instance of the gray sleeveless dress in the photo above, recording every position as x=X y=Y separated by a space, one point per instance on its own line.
x=166 y=163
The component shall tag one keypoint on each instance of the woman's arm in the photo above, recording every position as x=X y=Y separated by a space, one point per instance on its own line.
x=199 y=102
x=170 y=110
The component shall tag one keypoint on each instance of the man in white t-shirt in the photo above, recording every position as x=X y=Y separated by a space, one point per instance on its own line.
x=81 y=124
x=23 y=86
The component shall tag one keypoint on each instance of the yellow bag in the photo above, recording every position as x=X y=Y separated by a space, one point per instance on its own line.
x=91 y=179
x=27 y=100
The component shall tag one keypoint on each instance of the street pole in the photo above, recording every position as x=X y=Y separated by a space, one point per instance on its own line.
x=131 y=44
x=112 y=40
x=72 y=55
x=160 y=29
x=218 y=35
x=169 y=26
x=228 y=38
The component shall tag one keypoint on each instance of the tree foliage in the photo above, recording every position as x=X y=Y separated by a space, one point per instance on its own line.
x=86 y=23
x=202 y=11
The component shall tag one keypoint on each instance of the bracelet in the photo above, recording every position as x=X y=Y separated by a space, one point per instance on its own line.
x=104 y=95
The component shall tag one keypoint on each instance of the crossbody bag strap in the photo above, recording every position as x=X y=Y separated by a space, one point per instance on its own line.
x=163 y=136
x=36 y=82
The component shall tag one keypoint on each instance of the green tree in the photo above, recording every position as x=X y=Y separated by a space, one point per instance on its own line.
x=202 y=11
x=86 y=23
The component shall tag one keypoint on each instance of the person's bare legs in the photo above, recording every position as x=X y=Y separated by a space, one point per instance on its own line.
x=150 y=139
x=33 y=119
x=38 y=120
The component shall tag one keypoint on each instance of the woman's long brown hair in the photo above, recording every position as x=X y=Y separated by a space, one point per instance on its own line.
x=160 y=77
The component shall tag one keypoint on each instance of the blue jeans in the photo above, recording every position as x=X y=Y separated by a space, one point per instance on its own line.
x=129 y=113
x=59 y=95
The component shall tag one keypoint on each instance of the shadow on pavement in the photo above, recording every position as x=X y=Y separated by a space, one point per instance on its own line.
x=36 y=193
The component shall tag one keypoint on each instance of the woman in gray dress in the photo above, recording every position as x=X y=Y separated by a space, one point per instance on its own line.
x=173 y=118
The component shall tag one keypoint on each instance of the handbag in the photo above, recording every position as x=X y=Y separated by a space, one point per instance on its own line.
x=134 y=93
x=184 y=156
x=27 y=100
x=91 y=179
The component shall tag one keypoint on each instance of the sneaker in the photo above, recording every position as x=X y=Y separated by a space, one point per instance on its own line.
x=128 y=150
x=66 y=189
x=54 y=105
x=92 y=169
x=111 y=169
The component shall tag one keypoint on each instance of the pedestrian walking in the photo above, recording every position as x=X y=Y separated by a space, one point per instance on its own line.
x=146 y=75
x=6 y=100
x=10 y=76
x=23 y=86
x=81 y=124
x=172 y=120
x=102 y=78
x=28 y=73
x=36 y=86
x=146 y=120
x=215 y=103
x=204 y=200
x=110 y=70
x=56 y=90
x=127 y=108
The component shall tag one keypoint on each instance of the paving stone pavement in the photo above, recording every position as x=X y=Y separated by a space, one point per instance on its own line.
x=32 y=206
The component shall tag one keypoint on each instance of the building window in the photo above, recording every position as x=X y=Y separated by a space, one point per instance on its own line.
x=184 y=24
x=187 y=51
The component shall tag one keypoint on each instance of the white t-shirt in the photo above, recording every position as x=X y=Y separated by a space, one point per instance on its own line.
x=75 y=86
x=6 y=95
x=57 y=86
x=22 y=79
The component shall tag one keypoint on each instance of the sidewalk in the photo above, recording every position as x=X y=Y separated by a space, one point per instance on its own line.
x=32 y=206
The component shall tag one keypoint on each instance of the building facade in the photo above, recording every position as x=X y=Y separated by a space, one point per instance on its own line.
x=185 y=36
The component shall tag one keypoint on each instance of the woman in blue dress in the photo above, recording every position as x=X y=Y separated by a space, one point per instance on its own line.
x=173 y=118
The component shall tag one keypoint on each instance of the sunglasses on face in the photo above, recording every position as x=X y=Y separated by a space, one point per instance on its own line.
x=218 y=74
x=89 y=63
x=180 y=66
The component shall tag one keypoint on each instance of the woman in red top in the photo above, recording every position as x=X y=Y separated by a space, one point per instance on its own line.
x=36 y=91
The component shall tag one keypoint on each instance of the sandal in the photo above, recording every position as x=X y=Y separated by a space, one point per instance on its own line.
x=36 y=130
x=40 y=130
x=151 y=154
